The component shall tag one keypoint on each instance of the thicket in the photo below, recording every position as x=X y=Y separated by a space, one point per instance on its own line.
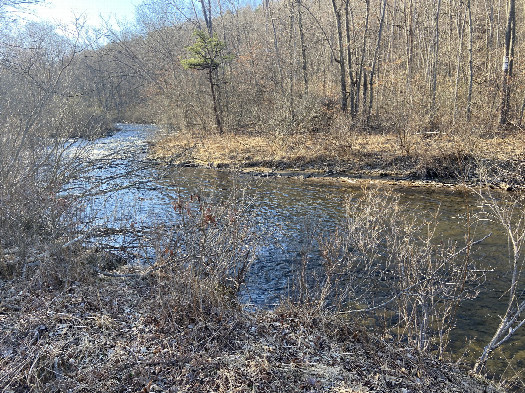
x=178 y=325
x=47 y=100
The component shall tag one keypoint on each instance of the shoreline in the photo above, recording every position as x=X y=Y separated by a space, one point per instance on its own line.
x=345 y=178
x=379 y=163
x=114 y=333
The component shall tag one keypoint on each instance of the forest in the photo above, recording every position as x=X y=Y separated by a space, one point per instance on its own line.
x=400 y=67
x=418 y=91
x=429 y=91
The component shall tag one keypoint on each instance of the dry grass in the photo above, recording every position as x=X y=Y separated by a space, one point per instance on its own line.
x=111 y=335
x=461 y=156
x=242 y=150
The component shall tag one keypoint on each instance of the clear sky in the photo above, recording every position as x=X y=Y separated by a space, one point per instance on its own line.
x=65 y=11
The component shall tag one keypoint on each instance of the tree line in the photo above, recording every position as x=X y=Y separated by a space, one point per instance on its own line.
x=293 y=66
x=286 y=65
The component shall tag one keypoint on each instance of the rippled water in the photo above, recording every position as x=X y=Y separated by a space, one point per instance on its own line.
x=124 y=189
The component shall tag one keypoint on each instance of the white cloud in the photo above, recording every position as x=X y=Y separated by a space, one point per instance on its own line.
x=93 y=12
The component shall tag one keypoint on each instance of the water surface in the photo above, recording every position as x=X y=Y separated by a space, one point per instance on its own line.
x=123 y=190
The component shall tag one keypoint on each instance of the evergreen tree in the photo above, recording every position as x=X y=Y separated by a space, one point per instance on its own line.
x=207 y=53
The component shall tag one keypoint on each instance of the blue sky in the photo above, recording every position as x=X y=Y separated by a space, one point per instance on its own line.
x=64 y=11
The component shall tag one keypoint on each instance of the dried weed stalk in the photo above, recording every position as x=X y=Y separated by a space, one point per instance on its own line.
x=387 y=262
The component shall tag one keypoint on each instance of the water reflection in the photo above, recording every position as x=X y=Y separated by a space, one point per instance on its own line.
x=123 y=189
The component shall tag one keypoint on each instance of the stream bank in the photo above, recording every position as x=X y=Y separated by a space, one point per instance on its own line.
x=441 y=160
x=122 y=333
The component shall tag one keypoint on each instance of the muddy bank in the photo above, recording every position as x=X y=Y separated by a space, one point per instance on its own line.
x=355 y=178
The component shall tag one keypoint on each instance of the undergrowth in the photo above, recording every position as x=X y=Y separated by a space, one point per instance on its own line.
x=178 y=325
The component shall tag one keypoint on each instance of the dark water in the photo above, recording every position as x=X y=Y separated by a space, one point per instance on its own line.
x=123 y=189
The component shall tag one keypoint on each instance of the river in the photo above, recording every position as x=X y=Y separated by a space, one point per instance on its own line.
x=123 y=189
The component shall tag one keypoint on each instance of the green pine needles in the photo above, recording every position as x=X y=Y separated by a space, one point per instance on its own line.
x=206 y=53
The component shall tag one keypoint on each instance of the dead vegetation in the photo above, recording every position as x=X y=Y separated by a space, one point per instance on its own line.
x=66 y=324
x=497 y=159
x=114 y=334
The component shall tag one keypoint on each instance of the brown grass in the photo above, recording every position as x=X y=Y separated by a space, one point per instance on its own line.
x=113 y=335
x=459 y=156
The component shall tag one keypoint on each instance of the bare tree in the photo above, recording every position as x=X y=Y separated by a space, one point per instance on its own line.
x=349 y=49
x=508 y=62
x=304 y=64
x=18 y=3
x=43 y=106
x=341 y=59
x=422 y=279
x=361 y=79
x=470 y=60
x=373 y=67
x=435 y=60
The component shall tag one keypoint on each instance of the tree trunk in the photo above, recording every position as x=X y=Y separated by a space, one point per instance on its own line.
x=216 y=110
x=206 y=12
x=409 y=29
x=303 y=46
x=277 y=52
x=362 y=74
x=461 y=30
x=341 y=61
x=353 y=109
x=375 y=60
x=508 y=62
x=291 y=45
x=435 y=63
x=470 y=61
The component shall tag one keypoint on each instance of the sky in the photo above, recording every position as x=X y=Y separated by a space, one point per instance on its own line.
x=64 y=11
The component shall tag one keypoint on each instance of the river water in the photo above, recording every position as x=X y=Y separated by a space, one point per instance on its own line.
x=125 y=195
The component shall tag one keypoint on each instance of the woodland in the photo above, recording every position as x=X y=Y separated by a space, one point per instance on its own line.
x=419 y=90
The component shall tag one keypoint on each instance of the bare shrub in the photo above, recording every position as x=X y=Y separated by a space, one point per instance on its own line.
x=387 y=262
x=508 y=212
x=42 y=109
x=203 y=261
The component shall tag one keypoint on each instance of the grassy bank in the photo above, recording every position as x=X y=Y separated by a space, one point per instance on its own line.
x=123 y=333
x=496 y=159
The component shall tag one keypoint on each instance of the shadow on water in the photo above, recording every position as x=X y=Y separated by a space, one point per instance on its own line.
x=123 y=190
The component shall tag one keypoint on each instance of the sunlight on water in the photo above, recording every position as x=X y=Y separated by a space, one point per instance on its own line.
x=129 y=196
